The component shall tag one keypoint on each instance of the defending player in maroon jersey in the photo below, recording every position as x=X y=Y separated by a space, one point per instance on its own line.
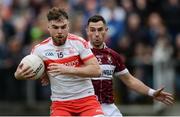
x=112 y=64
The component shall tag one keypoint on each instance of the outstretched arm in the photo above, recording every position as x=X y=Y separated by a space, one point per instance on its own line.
x=140 y=87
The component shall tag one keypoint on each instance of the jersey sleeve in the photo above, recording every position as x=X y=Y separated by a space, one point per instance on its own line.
x=120 y=66
x=84 y=50
x=35 y=50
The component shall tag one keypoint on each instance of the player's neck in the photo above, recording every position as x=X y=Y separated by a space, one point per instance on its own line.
x=99 y=47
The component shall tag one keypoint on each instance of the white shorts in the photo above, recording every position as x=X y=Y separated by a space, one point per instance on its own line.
x=111 y=110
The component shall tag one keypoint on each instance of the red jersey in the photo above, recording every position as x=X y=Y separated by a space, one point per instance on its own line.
x=73 y=53
x=111 y=64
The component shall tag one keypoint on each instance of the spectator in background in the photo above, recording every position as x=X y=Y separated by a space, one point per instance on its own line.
x=61 y=4
x=163 y=67
x=154 y=26
x=177 y=65
x=170 y=10
x=14 y=55
x=142 y=10
x=91 y=8
x=128 y=6
x=115 y=18
x=135 y=31
x=7 y=25
x=38 y=29
x=77 y=5
x=2 y=62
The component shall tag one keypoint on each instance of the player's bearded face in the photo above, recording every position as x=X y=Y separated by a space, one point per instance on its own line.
x=59 y=31
x=96 y=33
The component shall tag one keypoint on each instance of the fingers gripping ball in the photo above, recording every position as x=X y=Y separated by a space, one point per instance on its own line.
x=36 y=63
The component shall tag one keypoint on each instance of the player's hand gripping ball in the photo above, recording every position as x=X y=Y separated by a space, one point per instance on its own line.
x=36 y=63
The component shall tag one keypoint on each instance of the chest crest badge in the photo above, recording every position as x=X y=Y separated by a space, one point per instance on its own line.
x=109 y=59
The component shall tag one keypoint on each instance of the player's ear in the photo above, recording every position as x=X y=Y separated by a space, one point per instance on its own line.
x=68 y=24
x=86 y=29
x=48 y=26
x=106 y=29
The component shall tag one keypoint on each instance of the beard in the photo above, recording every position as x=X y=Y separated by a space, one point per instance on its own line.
x=59 y=40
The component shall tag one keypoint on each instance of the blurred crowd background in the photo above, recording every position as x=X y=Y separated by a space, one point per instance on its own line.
x=145 y=32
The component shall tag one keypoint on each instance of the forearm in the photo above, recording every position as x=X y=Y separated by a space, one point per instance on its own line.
x=139 y=87
x=86 y=71
x=90 y=68
x=136 y=85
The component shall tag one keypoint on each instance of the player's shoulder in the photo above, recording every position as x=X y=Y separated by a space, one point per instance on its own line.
x=41 y=44
x=111 y=50
x=114 y=53
x=74 y=37
x=77 y=39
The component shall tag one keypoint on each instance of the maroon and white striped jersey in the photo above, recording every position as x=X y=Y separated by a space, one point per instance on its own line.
x=111 y=63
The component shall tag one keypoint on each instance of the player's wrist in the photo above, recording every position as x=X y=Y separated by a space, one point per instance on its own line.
x=151 y=92
x=71 y=70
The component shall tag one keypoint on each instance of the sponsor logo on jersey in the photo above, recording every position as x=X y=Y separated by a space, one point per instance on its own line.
x=107 y=72
x=109 y=59
x=72 y=63
x=49 y=54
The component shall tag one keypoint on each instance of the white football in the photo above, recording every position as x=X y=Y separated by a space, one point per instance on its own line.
x=36 y=63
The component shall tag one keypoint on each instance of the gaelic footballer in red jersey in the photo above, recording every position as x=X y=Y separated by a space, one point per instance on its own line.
x=70 y=64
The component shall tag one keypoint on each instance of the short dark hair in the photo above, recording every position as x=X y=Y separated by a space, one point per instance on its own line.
x=57 y=14
x=96 y=18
